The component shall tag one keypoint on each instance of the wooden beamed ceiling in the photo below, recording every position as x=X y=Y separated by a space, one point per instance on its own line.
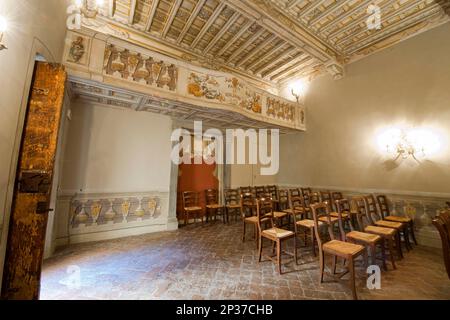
x=274 y=40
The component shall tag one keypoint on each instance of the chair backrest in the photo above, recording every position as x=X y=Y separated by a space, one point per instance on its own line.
x=248 y=189
x=442 y=224
x=358 y=206
x=336 y=195
x=248 y=201
x=273 y=190
x=314 y=197
x=372 y=210
x=325 y=195
x=383 y=205
x=343 y=206
x=306 y=191
x=283 y=199
x=264 y=212
x=190 y=199
x=321 y=210
x=212 y=196
x=232 y=196
x=260 y=191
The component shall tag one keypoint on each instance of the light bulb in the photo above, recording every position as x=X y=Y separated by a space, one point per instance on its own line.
x=99 y=3
x=3 y=24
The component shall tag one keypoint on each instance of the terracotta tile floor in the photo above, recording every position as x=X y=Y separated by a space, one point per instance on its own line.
x=211 y=262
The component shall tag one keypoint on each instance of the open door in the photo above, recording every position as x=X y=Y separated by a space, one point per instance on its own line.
x=30 y=207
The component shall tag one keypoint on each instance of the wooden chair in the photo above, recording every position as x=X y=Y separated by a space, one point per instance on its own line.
x=326 y=196
x=305 y=191
x=213 y=208
x=336 y=195
x=368 y=240
x=260 y=191
x=336 y=248
x=303 y=226
x=248 y=214
x=389 y=235
x=276 y=235
x=386 y=215
x=232 y=203
x=191 y=206
x=377 y=220
x=442 y=223
x=283 y=203
x=274 y=193
x=313 y=197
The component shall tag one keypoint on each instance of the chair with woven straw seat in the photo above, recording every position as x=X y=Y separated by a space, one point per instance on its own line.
x=389 y=235
x=191 y=206
x=248 y=214
x=264 y=210
x=345 y=250
x=283 y=203
x=232 y=203
x=386 y=215
x=302 y=225
x=442 y=224
x=213 y=208
x=377 y=220
x=368 y=240
x=273 y=191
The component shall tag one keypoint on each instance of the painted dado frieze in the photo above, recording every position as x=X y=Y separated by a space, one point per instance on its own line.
x=110 y=61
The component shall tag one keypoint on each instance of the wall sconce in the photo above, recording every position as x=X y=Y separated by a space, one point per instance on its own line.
x=414 y=143
x=298 y=89
x=3 y=27
x=89 y=8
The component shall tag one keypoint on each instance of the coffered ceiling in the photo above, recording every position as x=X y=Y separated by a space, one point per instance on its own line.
x=272 y=41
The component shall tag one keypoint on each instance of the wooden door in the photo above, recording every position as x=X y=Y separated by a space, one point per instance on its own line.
x=29 y=211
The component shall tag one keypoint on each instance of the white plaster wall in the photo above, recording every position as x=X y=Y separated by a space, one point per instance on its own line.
x=112 y=150
x=409 y=82
x=116 y=150
x=34 y=27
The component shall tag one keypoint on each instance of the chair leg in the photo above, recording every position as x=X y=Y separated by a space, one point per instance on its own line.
x=313 y=247
x=279 y=256
x=185 y=218
x=243 y=231
x=373 y=254
x=295 y=249
x=366 y=257
x=333 y=266
x=406 y=236
x=391 y=252
x=256 y=235
x=399 y=244
x=321 y=265
x=383 y=254
x=351 y=267
x=411 y=227
x=260 y=249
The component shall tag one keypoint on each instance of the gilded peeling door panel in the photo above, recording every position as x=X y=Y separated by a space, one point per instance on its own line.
x=22 y=271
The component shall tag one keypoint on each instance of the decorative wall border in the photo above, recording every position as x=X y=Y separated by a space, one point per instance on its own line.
x=102 y=216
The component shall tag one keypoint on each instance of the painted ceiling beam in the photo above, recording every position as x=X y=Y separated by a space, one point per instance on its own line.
x=327 y=12
x=172 y=13
x=242 y=30
x=256 y=50
x=208 y=24
x=247 y=43
x=301 y=57
x=151 y=14
x=132 y=11
x=266 y=55
x=274 y=61
x=222 y=31
x=190 y=20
